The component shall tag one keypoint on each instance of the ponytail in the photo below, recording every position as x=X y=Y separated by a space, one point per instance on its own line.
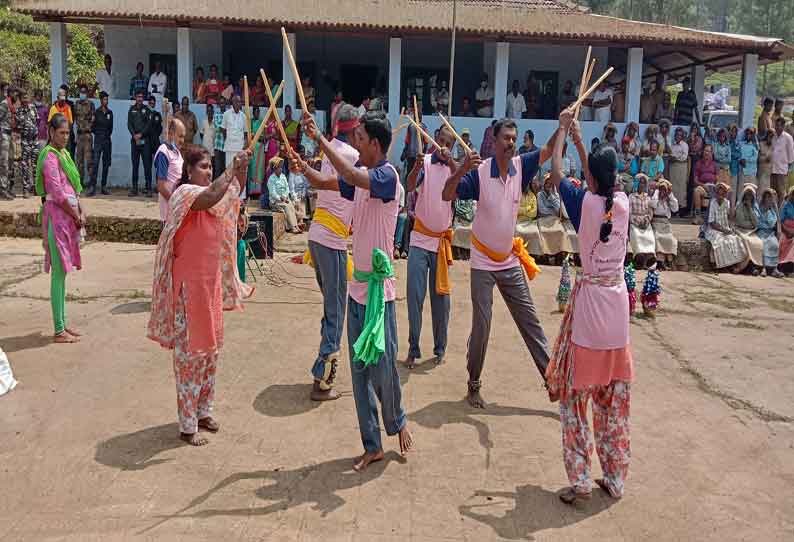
x=603 y=165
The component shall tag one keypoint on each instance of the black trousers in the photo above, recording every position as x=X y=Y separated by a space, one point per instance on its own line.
x=138 y=152
x=103 y=148
x=219 y=163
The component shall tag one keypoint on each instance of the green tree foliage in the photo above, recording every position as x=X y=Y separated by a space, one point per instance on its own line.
x=83 y=58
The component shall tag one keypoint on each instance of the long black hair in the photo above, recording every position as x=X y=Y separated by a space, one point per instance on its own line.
x=603 y=165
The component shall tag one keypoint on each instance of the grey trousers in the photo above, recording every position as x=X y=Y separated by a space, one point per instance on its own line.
x=421 y=264
x=513 y=286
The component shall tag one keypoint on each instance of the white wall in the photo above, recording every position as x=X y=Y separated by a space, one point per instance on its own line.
x=567 y=61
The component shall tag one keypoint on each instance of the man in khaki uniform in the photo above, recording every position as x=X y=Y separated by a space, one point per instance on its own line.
x=84 y=119
x=5 y=143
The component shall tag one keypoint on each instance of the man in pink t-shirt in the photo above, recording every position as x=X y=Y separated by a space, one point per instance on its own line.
x=433 y=219
x=375 y=191
x=328 y=250
x=497 y=185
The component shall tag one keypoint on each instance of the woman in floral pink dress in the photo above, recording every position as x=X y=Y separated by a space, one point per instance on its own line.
x=592 y=355
x=62 y=220
x=195 y=279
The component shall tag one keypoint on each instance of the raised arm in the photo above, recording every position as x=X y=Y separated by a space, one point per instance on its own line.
x=576 y=135
x=316 y=179
x=215 y=191
x=547 y=150
x=469 y=166
x=566 y=118
x=351 y=174
x=413 y=176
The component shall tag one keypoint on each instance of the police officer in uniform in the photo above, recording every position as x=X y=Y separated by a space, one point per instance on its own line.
x=5 y=146
x=84 y=118
x=153 y=139
x=102 y=128
x=27 y=124
x=138 y=118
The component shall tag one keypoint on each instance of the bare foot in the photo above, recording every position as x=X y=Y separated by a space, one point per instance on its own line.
x=406 y=441
x=73 y=332
x=209 y=424
x=369 y=457
x=603 y=485
x=475 y=399
x=569 y=496
x=410 y=362
x=194 y=439
x=65 y=338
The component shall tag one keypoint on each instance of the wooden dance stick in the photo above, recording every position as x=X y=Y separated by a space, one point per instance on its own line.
x=419 y=143
x=271 y=110
x=585 y=69
x=247 y=109
x=585 y=84
x=424 y=134
x=454 y=133
x=590 y=90
x=275 y=116
x=298 y=81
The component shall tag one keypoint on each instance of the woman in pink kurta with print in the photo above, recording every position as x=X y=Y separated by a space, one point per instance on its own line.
x=195 y=279
x=592 y=355
x=58 y=183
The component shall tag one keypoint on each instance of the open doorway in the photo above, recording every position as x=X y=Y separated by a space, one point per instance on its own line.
x=357 y=82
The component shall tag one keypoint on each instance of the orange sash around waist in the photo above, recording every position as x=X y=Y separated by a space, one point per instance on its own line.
x=519 y=249
x=444 y=257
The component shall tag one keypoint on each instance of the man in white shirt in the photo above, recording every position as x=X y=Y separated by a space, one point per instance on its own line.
x=602 y=103
x=158 y=83
x=516 y=106
x=207 y=131
x=484 y=98
x=105 y=79
x=233 y=128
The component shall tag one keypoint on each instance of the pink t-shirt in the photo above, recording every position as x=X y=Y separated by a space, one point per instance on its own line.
x=175 y=163
x=374 y=223
x=601 y=313
x=333 y=202
x=495 y=221
x=431 y=209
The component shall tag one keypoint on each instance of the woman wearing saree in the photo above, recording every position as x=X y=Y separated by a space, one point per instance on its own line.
x=195 y=279
x=728 y=249
x=664 y=204
x=62 y=220
x=678 y=170
x=786 y=263
x=746 y=224
x=695 y=143
x=768 y=231
x=642 y=243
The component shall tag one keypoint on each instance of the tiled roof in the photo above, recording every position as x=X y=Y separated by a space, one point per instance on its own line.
x=554 y=21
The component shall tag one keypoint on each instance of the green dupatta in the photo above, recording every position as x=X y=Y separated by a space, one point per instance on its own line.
x=67 y=164
x=371 y=344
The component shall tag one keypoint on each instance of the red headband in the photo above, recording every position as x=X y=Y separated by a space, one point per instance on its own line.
x=345 y=126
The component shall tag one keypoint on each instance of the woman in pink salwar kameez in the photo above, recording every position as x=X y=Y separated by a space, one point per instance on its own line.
x=195 y=279
x=592 y=358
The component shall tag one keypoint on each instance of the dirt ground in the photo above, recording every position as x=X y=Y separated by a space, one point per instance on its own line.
x=89 y=449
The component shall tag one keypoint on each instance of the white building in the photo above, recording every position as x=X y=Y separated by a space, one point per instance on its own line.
x=399 y=47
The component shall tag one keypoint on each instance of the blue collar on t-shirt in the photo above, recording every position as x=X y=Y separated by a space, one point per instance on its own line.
x=511 y=169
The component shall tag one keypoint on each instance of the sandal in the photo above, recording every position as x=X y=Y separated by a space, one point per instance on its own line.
x=600 y=482
x=572 y=497
x=209 y=424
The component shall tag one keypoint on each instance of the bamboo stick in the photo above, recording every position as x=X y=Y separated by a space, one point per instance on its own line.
x=279 y=125
x=270 y=111
x=419 y=142
x=298 y=81
x=585 y=84
x=454 y=133
x=424 y=134
x=592 y=88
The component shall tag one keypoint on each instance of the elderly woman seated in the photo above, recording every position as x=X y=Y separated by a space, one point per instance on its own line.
x=767 y=231
x=554 y=239
x=664 y=204
x=527 y=223
x=746 y=226
x=642 y=243
x=728 y=249
x=786 y=263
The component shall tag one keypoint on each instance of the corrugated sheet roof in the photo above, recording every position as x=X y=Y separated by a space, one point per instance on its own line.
x=538 y=20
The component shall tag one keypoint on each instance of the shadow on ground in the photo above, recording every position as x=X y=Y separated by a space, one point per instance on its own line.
x=441 y=413
x=281 y=400
x=138 y=450
x=25 y=342
x=133 y=307
x=534 y=509
x=313 y=484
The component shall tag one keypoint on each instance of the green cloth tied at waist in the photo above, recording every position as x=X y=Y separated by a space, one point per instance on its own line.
x=371 y=344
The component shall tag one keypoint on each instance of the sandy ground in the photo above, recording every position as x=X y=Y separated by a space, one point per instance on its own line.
x=89 y=449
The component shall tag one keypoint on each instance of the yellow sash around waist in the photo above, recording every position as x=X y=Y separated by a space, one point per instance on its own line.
x=330 y=221
x=518 y=249
x=444 y=257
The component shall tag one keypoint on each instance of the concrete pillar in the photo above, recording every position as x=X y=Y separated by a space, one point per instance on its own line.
x=500 y=79
x=633 y=84
x=58 y=72
x=395 y=77
x=747 y=96
x=289 y=94
x=698 y=77
x=184 y=64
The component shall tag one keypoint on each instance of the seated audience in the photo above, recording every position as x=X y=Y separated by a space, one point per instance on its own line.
x=642 y=243
x=767 y=231
x=786 y=262
x=728 y=249
x=278 y=191
x=746 y=217
x=664 y=205
x=705 y=179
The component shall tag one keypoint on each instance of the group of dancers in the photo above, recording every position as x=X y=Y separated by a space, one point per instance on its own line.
x=195 y=279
